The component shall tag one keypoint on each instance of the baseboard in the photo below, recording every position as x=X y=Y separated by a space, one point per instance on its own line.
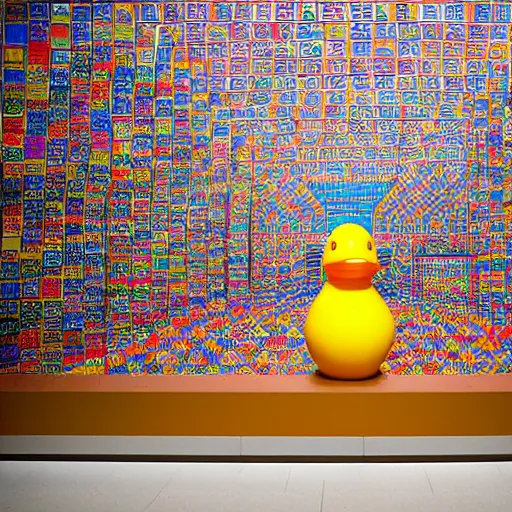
x=239 y=447
x=437 y=446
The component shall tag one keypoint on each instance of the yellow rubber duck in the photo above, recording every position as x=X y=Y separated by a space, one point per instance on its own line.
x=349 y=329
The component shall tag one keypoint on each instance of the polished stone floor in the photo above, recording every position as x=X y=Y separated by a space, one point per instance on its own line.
x=237 y=487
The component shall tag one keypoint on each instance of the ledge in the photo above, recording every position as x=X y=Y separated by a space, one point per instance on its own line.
x=243 y=405
x=255 y=384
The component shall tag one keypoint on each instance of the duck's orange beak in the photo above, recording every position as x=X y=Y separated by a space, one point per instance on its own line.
x=351 y=269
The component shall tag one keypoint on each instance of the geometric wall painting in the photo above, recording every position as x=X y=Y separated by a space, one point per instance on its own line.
x=171 y=171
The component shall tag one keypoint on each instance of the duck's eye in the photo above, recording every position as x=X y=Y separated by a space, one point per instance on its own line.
x=369 y=246
x=333 y=246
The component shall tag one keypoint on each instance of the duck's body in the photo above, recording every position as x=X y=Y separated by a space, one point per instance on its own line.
x=349 y=332
x=349 y=329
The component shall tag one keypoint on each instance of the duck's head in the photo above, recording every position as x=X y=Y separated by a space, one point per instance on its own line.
x=350 y=255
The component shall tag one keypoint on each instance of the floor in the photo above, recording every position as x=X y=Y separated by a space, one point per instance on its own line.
x=237 y=487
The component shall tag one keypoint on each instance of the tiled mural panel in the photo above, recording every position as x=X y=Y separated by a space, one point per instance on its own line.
x=170 y=172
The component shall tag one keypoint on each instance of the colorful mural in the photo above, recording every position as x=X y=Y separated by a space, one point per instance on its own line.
x=171 y=170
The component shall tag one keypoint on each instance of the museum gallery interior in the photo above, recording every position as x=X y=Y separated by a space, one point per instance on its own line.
x=263 y=242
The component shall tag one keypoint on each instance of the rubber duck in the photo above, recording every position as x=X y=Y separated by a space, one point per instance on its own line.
x=349 y=329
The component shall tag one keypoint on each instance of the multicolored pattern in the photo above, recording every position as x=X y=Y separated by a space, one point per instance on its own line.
x=170 y=171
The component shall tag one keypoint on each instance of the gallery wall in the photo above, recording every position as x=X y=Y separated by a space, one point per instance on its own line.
x=171 y=170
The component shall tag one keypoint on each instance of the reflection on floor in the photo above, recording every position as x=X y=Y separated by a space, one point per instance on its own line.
x=237 y=487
